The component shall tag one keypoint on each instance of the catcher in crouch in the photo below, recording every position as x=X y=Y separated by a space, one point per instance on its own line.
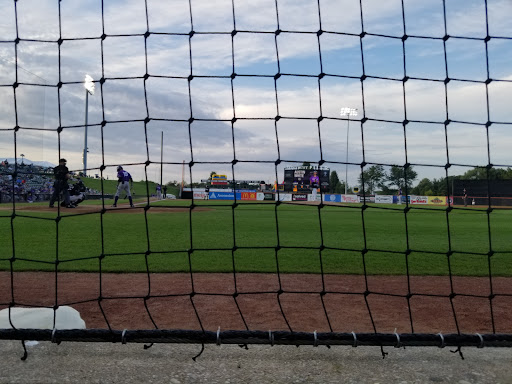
x=125 y=183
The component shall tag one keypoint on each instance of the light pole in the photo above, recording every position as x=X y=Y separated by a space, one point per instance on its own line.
x=162 y=161
x=347 y=112
x=89 y=88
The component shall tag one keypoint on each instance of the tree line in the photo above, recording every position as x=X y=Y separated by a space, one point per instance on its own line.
x=378 y=179
x=387 y=180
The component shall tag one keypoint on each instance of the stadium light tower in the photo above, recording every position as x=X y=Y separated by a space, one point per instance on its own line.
x=89 y=88
x=347 y=112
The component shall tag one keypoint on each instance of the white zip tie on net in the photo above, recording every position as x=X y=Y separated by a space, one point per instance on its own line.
x=354 y=344
x=442 y=340
x=481 y=341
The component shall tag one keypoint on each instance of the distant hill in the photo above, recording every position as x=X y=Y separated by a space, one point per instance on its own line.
x=110 y=186
x=28 y=161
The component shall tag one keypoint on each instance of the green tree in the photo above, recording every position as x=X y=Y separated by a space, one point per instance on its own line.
x=211 y=174
x=173 y=183
x=340 y=188
x=373 y=177
x=443 y=185
x=434 y=187
x=306 y=164
x=334 y=181
x=402 y=177
x=479 y=173
x=423 y=186
x=385 y=190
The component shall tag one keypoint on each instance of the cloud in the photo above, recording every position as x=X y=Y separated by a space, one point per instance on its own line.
x=255 y=138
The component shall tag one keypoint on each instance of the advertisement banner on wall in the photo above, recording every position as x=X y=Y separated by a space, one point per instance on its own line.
x=419 y=200
x=220 y=190
x=267 y=196
x=401 y=199
x=367 y=199
x=349 y=199
x=283 y=196
x=437 y=200
x=384 y=199
x=300 y=197
x=222 y=196
x=328 y=198
x=248 y=195
x=201 y=195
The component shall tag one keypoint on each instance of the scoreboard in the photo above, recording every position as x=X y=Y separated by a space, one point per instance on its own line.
x=305 y=179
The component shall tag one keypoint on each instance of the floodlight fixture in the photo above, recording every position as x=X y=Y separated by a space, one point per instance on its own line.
x=347 y=112
x=89 y=84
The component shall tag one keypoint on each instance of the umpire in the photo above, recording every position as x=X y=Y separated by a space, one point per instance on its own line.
x=61 y=173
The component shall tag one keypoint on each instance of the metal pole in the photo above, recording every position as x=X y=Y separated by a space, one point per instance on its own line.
x=452 y=194
x=85 y=137
x=346 y=162
x=182 y=178
x=161 y=160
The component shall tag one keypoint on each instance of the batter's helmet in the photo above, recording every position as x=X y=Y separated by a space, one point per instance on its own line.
x=119 y=168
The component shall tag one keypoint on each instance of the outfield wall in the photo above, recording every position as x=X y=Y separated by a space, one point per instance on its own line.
x=326 y=198
x=228 y=194
x=253 y=195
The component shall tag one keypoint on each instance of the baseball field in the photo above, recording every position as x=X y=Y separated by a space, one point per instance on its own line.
x=256 y=238
x=261 y=266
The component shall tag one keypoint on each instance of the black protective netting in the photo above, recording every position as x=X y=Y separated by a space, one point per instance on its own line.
x=331 y=77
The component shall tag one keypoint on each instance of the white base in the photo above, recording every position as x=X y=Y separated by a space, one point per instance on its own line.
x=41 y=318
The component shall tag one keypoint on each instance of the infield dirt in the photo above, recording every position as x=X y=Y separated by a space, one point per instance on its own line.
x=185 y=301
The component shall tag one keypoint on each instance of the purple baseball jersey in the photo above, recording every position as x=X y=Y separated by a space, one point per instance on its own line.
x=123 y=176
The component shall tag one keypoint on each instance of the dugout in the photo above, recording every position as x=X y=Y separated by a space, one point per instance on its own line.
x=499 y=191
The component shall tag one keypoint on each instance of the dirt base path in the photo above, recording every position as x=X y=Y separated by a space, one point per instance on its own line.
x=177 y=301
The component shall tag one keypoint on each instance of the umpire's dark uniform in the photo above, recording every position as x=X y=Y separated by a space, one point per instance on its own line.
x=61 y=184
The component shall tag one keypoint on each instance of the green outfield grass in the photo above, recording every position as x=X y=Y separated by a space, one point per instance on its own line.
x=160 y=242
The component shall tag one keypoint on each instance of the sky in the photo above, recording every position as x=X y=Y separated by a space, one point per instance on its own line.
x=253 y=97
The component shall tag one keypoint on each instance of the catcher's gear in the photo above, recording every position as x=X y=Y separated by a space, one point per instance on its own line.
x=77 y=192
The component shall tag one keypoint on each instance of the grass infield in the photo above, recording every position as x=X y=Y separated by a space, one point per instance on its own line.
x=259 y=238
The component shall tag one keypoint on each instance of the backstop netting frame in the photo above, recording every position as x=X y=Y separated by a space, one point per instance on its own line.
x=259 y=336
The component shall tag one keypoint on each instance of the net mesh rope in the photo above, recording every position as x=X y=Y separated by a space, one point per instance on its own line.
x=289 y=335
